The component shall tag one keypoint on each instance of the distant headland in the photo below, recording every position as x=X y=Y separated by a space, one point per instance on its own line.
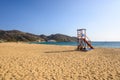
x=16 y=36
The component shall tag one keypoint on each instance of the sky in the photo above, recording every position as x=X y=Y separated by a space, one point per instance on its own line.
x=101 y=18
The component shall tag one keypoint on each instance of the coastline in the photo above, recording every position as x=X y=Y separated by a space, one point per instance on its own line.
x=95 y=44
x=38 y=61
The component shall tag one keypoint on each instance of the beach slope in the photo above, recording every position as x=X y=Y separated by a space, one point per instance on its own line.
x=22 y=61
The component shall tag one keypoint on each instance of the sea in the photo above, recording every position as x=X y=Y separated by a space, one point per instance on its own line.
x=94 y=44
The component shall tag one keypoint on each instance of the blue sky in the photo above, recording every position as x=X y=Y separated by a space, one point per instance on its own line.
x=101 y=18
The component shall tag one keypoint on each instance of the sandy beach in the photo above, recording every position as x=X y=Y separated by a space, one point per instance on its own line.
x=22 y=61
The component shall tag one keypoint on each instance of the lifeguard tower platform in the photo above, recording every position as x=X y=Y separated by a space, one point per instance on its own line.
x=84 y=42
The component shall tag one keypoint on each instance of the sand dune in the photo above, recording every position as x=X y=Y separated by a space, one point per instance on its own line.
x=22 y=61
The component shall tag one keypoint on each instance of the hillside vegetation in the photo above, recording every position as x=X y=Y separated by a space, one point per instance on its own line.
x=16 y=35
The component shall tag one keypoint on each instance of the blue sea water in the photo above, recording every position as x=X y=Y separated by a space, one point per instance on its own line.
x=95 y=44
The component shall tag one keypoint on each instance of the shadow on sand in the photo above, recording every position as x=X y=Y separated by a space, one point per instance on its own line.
x=61 y=51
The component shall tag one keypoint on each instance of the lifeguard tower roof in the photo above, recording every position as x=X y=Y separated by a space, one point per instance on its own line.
x=81 y=29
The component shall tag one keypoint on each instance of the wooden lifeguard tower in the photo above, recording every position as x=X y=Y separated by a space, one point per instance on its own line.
x=84 y=42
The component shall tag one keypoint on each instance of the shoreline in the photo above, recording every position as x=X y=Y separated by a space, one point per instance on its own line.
x=61 y=45
x=44 y=43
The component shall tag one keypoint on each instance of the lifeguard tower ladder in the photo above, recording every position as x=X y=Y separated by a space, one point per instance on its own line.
x=84 y=42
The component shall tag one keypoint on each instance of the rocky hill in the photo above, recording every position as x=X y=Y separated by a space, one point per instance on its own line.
x=61 y=38
x=15 y=35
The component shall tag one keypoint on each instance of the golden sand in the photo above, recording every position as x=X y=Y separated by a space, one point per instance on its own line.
x=22 y=61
